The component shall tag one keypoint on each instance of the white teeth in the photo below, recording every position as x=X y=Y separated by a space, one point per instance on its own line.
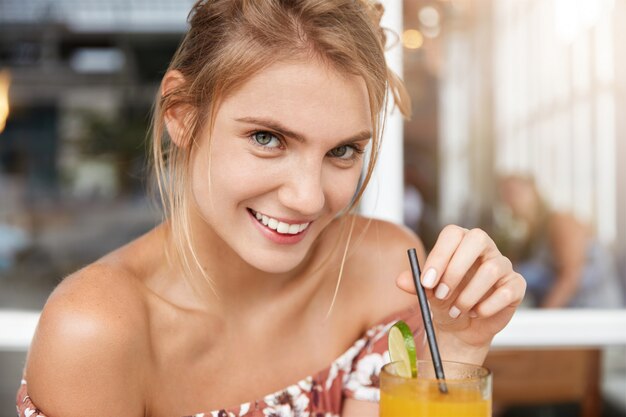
x=280 y=227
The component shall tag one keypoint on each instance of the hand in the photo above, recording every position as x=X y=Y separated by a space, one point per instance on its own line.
x=472 y=289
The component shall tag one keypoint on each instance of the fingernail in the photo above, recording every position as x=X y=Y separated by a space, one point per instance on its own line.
x=442 y=291
x=454 y=312
x=429 y=278
x=473 y=314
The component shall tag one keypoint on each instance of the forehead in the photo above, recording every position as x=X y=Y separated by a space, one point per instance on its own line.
x=304 y=95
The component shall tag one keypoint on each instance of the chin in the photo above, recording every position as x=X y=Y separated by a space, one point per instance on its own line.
x=277 y=264
x=279 y=267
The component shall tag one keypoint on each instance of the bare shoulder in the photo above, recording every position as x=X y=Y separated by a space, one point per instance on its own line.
x=87 y=355
x=383 y=245
x=377 y=256
x=376 y=232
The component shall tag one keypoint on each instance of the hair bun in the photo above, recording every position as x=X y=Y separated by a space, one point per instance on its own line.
x=375 y=11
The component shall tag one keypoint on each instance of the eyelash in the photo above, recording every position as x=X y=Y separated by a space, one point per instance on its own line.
x=357 y=150
x=264 y=147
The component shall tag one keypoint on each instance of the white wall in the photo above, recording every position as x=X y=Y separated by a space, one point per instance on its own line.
x=383 y=198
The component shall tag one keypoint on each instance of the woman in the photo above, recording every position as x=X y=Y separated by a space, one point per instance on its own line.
x=561 y=259
x=260 y=295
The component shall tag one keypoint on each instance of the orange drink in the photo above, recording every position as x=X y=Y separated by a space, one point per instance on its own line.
x=469 y=392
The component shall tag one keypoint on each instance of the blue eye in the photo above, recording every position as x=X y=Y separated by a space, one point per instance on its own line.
x=266 y=139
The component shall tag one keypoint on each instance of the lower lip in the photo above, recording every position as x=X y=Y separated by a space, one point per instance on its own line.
x=274 y=236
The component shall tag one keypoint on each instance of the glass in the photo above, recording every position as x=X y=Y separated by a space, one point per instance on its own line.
x=469 y=392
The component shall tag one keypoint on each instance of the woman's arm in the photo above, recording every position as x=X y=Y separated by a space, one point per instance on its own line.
x=477 y=288
x=568 y=240
x=472 y=290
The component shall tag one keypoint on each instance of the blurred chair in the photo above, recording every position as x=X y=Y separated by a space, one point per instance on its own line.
x=547 y=376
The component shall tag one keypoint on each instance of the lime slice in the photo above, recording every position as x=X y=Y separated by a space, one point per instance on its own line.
x=402 y=349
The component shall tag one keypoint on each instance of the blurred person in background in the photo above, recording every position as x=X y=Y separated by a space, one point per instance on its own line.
x=562 y=261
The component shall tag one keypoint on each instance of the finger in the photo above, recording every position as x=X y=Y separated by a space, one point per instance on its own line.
x=445 y=246
x=482 y=282
x=404 y=281
x=509 y=294
x=475 y=244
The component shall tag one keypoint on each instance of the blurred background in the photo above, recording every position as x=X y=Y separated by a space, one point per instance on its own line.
x=515 y=129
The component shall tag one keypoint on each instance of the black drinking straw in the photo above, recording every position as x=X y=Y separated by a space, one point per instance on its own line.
x=428 y=322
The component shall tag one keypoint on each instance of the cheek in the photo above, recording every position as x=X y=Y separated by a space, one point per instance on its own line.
x=214 y=180
x=225 y=172
x=340 y=189
x=199 y=176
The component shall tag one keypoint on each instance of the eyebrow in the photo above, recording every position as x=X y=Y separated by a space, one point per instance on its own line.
x=279 y=128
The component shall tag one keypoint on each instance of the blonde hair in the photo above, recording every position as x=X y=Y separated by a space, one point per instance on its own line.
x=228 y=42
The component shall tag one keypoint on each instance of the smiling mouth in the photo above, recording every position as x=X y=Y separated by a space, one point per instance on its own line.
x=278 y=226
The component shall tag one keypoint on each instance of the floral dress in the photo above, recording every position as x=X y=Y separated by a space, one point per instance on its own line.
x=354 y=374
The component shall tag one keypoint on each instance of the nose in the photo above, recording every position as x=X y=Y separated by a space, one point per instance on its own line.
x=302 y=190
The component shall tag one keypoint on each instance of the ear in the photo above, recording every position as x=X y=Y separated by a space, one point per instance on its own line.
x=176 y=117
